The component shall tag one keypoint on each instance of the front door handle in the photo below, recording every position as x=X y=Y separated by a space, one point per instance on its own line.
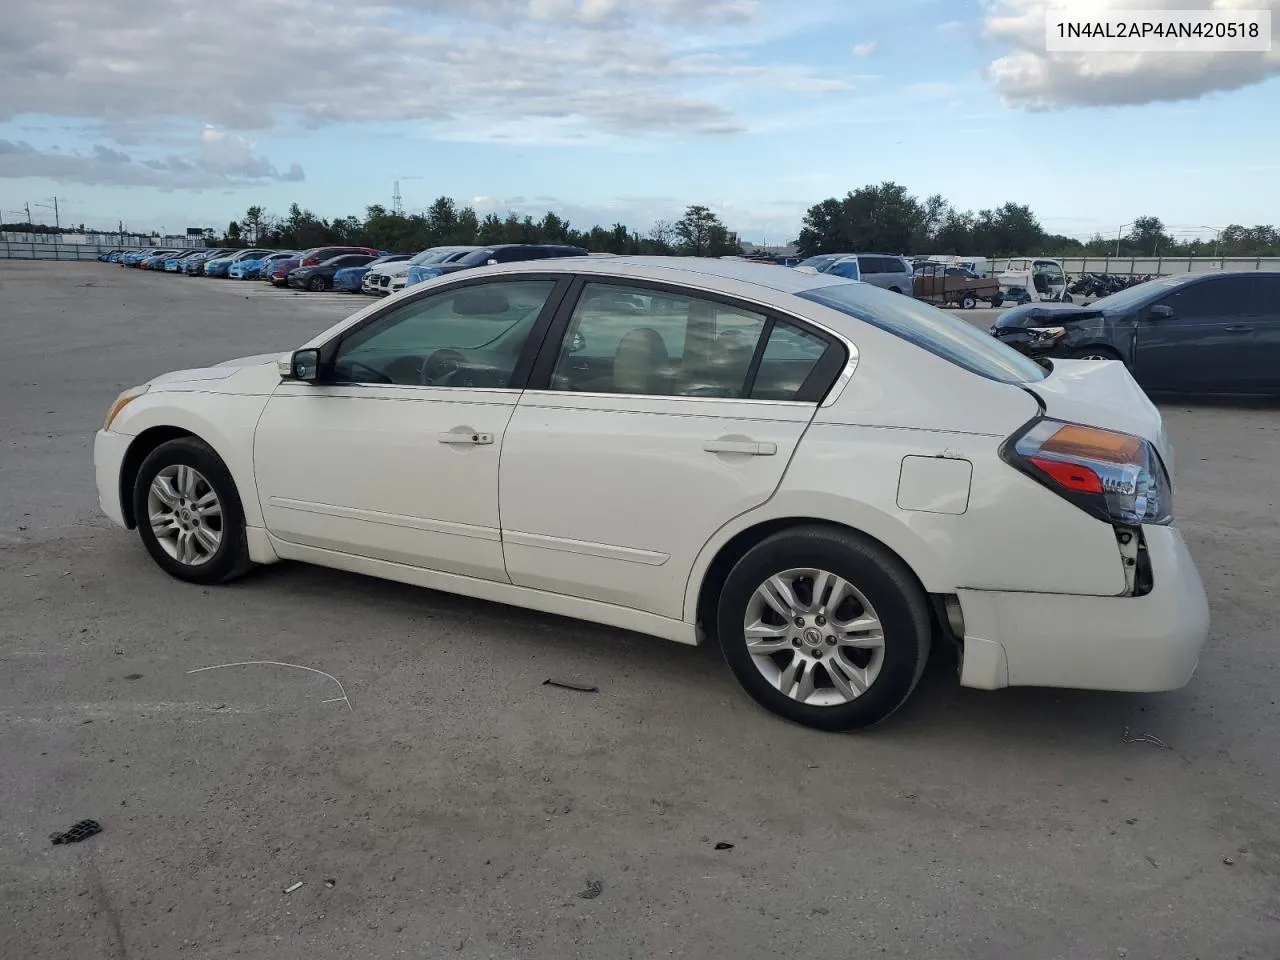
x=1238 y=328
x=735 y=445
x=466 y=437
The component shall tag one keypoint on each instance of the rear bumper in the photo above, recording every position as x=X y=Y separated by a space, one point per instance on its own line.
x=1134 y=644
x=108 y=456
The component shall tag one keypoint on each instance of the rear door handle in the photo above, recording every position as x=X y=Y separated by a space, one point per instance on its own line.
x=465 y=437
x=749 y=447
x=1238 y=328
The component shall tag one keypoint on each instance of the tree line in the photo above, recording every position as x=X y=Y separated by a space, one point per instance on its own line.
x=886 y=218
x=698 y=232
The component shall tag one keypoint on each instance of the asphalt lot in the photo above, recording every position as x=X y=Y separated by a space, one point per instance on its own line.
x=461 y=808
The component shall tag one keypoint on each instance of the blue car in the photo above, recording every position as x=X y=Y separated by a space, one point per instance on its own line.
x=175 y=262
x=348 y=278
x=221 y=267
x=134 y=257
x=251 y=267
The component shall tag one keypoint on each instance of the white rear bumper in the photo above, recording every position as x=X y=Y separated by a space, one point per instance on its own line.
x=1136 y=644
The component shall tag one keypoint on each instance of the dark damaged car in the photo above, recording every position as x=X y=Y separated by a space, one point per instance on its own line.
x=1216 y=333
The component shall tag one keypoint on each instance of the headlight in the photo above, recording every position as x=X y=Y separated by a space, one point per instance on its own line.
x=1047 y=334
x=122 y=401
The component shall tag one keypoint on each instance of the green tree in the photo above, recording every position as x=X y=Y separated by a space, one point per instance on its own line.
x=701 y=234
x=1147 y=237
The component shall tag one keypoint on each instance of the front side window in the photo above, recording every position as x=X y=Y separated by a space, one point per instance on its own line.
x=469 y=336
x=1211 y=300
x=635 y=340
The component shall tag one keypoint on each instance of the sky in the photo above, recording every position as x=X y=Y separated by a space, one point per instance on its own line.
x=177 y=113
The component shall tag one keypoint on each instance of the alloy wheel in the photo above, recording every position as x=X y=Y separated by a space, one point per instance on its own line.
x=185 y=514
x=814 y=636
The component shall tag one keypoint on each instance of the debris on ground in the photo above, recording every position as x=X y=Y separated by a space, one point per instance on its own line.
x=571 y=685
x=1227 y=860
x=724 y=846
x=331 y=883
x=133 y=676
x=81 y=831
x=594 y=889
x=296 y=886
x=1145 y=738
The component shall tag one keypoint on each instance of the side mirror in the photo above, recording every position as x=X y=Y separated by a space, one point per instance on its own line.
x=1161 y=311
x=304 y=365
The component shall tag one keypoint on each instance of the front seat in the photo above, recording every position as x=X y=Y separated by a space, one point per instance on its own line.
x=640 y=365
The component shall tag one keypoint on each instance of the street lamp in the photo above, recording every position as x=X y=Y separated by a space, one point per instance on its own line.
x=1118 y=232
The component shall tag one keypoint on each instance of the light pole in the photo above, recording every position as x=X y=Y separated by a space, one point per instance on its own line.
x=57 y=223
x=1118 y=232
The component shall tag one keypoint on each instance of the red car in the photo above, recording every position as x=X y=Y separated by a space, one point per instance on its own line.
x=277 y=271
x=320 y=254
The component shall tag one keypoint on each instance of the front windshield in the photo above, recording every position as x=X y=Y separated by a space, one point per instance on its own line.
x=475 y=258
x=429 y=256
x=1132 y=296
x=931 y=329
x=821 y=260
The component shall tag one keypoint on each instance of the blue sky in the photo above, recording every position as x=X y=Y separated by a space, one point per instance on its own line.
x=174 y=114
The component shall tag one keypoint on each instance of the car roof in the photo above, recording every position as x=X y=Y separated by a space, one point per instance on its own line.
x=687 y=270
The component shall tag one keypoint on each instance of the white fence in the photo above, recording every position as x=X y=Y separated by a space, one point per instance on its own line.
x=1154 y=266
x=44 y=250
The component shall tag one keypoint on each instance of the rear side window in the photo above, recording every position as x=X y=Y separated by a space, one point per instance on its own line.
x=869 y=265
x=930 y=329
x=789 y=358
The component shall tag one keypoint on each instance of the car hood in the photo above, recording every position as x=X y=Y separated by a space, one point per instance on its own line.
x=397 y=268
x=1102 y=393
x=244 y=375
x=1045 y=315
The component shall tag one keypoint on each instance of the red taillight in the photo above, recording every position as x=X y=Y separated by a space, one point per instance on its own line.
x=1114 y=476
x=1073 y=476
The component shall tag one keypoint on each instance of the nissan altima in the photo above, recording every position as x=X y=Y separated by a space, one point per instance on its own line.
x=823 y=477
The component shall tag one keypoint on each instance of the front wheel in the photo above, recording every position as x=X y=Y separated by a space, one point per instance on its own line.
x=968 y=302
x=824 y=628
x=189 y=513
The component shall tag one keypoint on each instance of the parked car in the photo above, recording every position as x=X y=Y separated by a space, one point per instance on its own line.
x=222 y=265
x=944 y=284
x=173 y=264
x=106 y=255
x=1216 y=333
x=137 y=256
x=320 y=275
x=318 y=255
x=389 y=278
x=502 y=253
x=277 y=272
x=154 y=262
x=193 y=266
x=595 y=442
x=250 y=268
x=821 y=261
x=115 y=255
x=1039 y=279
x=889 y=273
x=351 y=278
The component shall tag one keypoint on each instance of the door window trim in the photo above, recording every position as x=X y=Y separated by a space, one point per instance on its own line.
x=821 y=387
x=528 y=353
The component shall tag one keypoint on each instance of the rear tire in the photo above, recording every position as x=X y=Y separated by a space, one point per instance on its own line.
x=316 y=283
x=825 y=653
x=996 y=300
x=189 y=513
x=968 y=302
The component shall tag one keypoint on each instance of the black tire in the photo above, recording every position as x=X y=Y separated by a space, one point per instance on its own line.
x=1093 y=353
x=996 y=300
x=231 y=559
x=316 y=283
x=882 y=578
x=895 y=290
x=1066 y=298
x=968 y=302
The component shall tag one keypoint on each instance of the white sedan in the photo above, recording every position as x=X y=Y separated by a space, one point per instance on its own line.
x=821 y=476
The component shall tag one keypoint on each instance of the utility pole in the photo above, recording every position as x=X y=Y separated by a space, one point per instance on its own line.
x=57 y=223
x=30 y=226
x=395 y=200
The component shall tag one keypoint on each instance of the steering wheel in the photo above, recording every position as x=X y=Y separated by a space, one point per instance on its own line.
x=440 y=366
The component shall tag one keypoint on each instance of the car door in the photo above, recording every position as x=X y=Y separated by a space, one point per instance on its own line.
x=654 y=415
x=394 y=454
x=1204 y=343
x=1266 y=312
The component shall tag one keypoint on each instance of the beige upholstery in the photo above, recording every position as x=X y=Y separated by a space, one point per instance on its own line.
x=640 y=364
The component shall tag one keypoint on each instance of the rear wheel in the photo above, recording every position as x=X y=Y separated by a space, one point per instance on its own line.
x=996 y=300
x=316 y=283
x=824 y=628
x=968 y=301
x=189 y=513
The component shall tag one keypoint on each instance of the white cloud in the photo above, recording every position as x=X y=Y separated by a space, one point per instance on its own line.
x=1031 y=77
x=217 y=160
x=622 y=67
x=865 y=49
